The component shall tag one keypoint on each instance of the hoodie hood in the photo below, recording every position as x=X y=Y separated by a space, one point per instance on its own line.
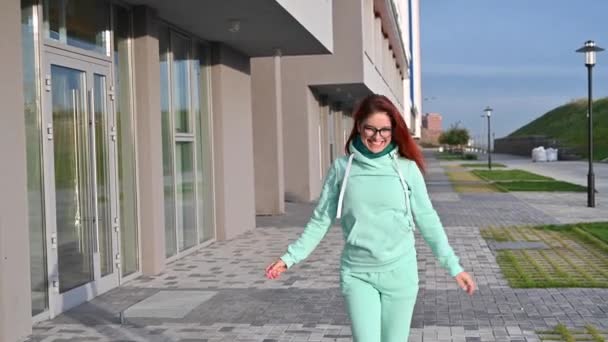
x=379 y=162
x=361 y=147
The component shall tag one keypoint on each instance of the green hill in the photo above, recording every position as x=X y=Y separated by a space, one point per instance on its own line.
x=568 y=124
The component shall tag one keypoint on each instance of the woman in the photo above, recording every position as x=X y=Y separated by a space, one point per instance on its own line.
x=379 y=194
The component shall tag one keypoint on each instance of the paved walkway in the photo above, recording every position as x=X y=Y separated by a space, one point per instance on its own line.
x=219 y=293
x=565 y=207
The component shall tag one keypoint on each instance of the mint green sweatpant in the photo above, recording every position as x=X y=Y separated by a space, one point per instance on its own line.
x=380 y=304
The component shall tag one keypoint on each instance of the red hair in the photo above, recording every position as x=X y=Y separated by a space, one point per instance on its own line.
x=375 y=103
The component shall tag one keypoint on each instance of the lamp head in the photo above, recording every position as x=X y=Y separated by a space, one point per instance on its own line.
x=590 y=50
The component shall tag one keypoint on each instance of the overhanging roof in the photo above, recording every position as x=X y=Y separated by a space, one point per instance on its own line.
x=256 y=28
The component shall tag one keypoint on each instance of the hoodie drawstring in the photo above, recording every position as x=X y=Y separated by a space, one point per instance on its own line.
x=401 y=179
x=405 y=188
x=344 y=181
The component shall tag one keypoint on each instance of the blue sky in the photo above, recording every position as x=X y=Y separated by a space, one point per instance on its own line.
x=517 y=56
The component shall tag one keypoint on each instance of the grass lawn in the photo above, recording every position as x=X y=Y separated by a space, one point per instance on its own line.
x=568 y=125
x=539 y=186
x=562 y=333
x=465 y=181
x=576 y=256
x=482 y=165
x=599 y=232
x=509 y=175
x=520 y=180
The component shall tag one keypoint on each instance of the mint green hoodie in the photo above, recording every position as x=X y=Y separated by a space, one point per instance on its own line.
x=375 y=199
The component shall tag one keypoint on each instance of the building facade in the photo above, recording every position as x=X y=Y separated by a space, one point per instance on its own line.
x=409 y=19
x=431 y=128
x=135 y=132
x=416 y=68
x=318 y=94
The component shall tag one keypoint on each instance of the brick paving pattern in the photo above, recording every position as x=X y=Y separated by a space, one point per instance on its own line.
x=306 y=305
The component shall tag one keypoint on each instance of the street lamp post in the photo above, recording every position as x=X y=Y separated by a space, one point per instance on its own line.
x=488 y=114
x=590 y=49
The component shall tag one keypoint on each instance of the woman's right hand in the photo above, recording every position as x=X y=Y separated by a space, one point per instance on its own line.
x=274 y=270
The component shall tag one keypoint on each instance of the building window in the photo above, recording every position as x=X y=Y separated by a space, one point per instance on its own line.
x=127 y=181
x=184 y=103
x=80 y=23
x=35 y=195
x=201 y=106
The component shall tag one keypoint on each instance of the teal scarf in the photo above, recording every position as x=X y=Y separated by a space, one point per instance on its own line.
x=358 y=144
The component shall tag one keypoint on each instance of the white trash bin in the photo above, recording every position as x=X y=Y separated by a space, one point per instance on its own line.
x=539 y=154
x=551 y=154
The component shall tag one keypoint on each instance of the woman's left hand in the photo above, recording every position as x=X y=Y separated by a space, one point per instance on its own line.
x=466 y=282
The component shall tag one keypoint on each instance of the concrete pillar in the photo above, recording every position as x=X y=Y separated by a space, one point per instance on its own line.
x=15 y=289
x=299 y=142
x=378 y=44
x=347 y=126
x=339 y=129
x=316 y=170
x=150 y=151
x=268 y=135
x=324 y=116
x=232 y=142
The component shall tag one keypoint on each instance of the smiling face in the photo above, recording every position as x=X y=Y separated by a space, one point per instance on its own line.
x=376 y=132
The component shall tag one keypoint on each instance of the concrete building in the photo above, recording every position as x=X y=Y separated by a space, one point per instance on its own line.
x=416 y=69
x=409 y=15
x=135 y=132
x=318 y=93
x=431 y=128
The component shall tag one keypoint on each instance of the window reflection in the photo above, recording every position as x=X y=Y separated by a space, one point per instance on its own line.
x=125 y=145
x=80 y=23
x=167 y=139
x=180 y=48
x=38 y=268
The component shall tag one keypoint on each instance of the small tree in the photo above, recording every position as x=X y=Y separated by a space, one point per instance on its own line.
x=455 y=137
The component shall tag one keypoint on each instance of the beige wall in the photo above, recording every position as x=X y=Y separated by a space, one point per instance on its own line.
x=317 y=169
x=368 y=17
x=377 y=83
x=301 y=108
x=345 y=64
x=267 y=135
x=361 y=54
x=15 y=293
x=298 y=141
x=150 y=152
x=233 y=142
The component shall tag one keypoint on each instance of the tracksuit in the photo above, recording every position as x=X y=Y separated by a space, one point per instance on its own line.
x=380 y=199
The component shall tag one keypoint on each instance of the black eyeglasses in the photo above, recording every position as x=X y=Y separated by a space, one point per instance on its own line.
x=371 y=131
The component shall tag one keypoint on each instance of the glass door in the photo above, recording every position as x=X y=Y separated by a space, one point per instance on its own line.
x=81 y=176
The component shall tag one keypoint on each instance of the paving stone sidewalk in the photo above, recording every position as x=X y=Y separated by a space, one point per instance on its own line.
x=232 y=301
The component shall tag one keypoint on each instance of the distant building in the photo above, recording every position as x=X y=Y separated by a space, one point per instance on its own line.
x=431 y=128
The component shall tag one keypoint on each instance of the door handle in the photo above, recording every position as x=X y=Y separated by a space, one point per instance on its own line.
x=93 y=182
x=54 y=241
